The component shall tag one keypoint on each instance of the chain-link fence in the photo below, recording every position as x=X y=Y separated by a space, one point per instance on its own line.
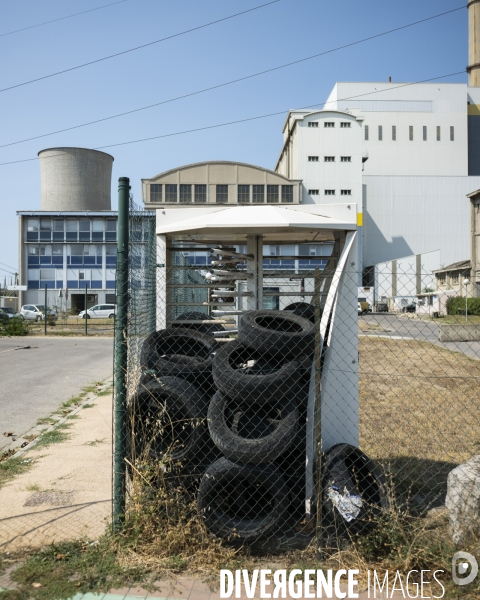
x=314 y=414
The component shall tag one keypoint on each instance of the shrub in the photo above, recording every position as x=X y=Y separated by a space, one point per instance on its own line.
x=456 y=306
x=13 y=326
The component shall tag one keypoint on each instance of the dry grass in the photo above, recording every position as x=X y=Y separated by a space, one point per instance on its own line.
x=419 y=407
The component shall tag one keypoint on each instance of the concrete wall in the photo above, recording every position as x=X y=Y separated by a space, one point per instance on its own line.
x=75 y=179
x=459 y=333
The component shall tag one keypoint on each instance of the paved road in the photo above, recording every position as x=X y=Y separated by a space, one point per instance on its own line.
x=33 y=382
x=405 y=327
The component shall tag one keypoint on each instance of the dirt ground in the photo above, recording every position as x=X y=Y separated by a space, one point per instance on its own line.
x=67 y=493
x=419 y=409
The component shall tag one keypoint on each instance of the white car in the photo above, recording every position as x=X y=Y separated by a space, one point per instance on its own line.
x=30 y=312
x=100 y=311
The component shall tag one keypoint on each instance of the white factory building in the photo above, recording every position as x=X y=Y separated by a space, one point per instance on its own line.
x=408 y=154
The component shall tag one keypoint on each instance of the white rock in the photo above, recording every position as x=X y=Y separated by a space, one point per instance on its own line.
x=463 y=499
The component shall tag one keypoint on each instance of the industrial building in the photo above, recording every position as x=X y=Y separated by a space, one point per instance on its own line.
x=70 y=243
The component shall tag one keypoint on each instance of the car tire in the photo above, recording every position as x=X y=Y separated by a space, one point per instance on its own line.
x=232 y=500
x=111 y=316
x=252 y=433
x=208 y=328
x=269 y=378
x=347 y=467
x=38 y=319
x=303 y=309
x=277 y=332
x=168 y=422
x=183 y=353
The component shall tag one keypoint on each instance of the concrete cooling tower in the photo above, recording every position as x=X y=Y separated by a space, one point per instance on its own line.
x=74 y=179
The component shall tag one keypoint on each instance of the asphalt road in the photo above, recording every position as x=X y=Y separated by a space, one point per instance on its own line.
x=35 y=381
x=410 y=328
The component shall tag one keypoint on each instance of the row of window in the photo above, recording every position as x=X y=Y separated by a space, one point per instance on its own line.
x=330 y=192
x=71 y=284
x=330 y=124
x=438 y=133
x=197 y=193
x=329 y=159
x=72 y=250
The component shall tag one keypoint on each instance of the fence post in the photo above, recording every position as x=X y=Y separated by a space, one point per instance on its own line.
x=121 y=322
x=45 y=313
x=85 y=314
x=152 y=275
x=318 y=415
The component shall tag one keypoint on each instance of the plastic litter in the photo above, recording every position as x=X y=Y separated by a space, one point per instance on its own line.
x=348 y=505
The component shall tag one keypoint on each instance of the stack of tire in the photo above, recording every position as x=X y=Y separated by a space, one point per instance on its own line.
x=226 y=421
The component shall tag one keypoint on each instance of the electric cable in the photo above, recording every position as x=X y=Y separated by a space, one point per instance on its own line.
x=61 y=18
x=93 y=62
x=5 y=265
x=214 y=87
x=245 y=120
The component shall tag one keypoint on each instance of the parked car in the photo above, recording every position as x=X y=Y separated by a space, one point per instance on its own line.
x=30 y=312
x=100 y=311
x=8 y=312
x=410 y=308
x=51 y=312
x=360 y=309
x=382 y=307
x=365 y=306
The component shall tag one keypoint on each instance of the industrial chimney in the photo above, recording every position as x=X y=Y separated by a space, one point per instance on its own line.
x=473 y=68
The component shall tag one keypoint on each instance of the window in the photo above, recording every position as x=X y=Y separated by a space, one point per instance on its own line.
x=72 y=225
x=81 y=275
x=58 y=227
x=366 y=132
x=287 y=193
x=155 y=192
x=329 y=192
x=313 y=159
x=345 y=192
x=329 y=158
x=345 y=159
x=57 y=250
x=33 y=225
x=438 y=133
x=258 y=193
x=380 y=133
x=76 y=249
x=410 y=133
x=171 y=192
x=222 y=194
x=272 y=193
x=452 y=133
x=111 y=250
x=97 y=230
x=345 y=124
x=33 y=250
x=441 y=280
x=424 y=133
x=394 y=133
x=84 y=230
x=47 y=274
x=329 y=124
x=313 y=124
x=243 y=194
x=200 y=193
x=112 y=225
x=313 y=192
x=185 y=193
x=45 y=250
x=45 y=225
x=454 y=279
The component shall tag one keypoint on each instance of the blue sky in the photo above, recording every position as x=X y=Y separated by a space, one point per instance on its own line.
x=279 y=33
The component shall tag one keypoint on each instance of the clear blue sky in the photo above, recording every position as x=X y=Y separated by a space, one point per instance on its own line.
x=279 y=33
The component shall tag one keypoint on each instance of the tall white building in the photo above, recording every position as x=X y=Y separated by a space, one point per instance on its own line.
x=415 y=152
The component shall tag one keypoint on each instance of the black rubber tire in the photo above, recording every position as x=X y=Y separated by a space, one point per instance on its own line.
x=208 y=328
x=271 y=378
x=346 y=466
x=167 y=422
x=239 y=502
x=162 y=354
x=303 y=309
x=252 y=433
x=277 y=332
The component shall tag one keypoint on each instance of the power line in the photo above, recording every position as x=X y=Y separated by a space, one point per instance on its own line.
x=92 y=62
x=227 y=83
x=61 y=18
x=9 y=272
x=9 y=266
x=217 y=125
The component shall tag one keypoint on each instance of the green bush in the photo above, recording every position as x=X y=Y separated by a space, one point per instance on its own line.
x=15 y=326
x=456 y=306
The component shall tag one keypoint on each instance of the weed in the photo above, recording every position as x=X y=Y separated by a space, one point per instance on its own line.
x=73 y=417
x=56 y=436
x=106 y=392
x=88 y=405
x=95 y=442
x=33 y=487
x=9 y=469
x=47 y=421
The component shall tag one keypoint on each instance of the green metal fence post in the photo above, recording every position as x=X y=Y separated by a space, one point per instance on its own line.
x=120 y=374
x=318 y=414
x=85 y=314
x=152 y=275
x=45 y=312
